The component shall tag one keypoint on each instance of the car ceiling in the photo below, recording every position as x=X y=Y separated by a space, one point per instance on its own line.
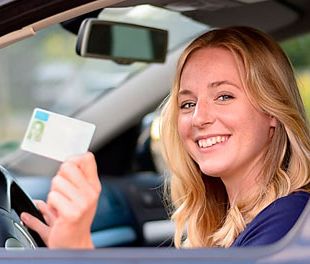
x=20 y=13
x=280 y=18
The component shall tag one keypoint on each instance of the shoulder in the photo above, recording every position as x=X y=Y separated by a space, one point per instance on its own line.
x=272 y=223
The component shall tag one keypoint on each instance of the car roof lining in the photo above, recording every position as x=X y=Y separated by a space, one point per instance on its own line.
x=215 y=13
x=29 y=12
x=232 y=13
x=30 y=30
x=284 y=18
x=243 y=15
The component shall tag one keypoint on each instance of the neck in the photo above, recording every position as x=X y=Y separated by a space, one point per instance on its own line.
x=242 y=184
x=238 y=190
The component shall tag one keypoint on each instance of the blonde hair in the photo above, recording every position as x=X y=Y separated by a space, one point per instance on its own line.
x=201 y=210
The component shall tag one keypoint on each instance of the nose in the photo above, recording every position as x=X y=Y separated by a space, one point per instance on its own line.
x=203 y=115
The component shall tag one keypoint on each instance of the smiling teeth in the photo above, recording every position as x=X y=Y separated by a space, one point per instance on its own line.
x=205 y=143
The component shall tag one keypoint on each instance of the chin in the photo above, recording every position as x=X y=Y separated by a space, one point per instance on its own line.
x=213 y=172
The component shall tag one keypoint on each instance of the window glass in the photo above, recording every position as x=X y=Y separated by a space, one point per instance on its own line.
x=44 y=71
x=297 y=50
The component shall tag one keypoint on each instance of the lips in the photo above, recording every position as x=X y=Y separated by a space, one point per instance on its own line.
x=211 y=141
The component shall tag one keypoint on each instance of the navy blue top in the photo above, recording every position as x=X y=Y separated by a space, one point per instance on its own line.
x=273 y=222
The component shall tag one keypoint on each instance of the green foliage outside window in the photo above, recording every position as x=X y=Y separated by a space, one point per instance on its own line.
x=298 y=50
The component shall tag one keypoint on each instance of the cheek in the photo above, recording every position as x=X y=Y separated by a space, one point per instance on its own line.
x=256 y=128
x=184 y=126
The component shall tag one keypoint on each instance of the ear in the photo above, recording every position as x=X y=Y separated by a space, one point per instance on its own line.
x=273 y=122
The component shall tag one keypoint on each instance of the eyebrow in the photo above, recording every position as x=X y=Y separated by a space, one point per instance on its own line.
x=184 y=92
x=219 y=83
x=210 y=85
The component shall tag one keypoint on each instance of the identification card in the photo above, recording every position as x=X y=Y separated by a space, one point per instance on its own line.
x=56 y=136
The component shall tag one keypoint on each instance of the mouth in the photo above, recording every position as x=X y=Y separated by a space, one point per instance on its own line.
x=211 y=141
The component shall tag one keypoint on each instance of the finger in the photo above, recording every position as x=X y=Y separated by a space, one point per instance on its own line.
x=47 y=212
x=36 y=202
x=36 y=225
x=73 y=184
x=65 y=208
x=67 y=189
x=87 y=163
x=74 y=174
x=70 y=171
x=70 y=202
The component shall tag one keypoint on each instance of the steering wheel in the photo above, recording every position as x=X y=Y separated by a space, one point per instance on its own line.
x=14 y=201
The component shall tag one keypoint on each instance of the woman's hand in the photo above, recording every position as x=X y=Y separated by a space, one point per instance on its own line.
x=71 y=205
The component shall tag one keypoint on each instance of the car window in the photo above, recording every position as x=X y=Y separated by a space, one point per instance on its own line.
x=297 y=49
x=44 y=71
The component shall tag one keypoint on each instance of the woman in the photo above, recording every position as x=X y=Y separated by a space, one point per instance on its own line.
x=236 y=139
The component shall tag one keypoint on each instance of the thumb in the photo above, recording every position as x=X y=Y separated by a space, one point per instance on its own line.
x=36 y=225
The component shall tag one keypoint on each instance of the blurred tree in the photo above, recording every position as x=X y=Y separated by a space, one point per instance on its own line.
x=297 y=49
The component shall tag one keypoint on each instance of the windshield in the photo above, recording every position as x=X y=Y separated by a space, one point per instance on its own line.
x=45 y=72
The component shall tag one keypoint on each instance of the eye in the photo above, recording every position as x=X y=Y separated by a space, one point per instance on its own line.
x=224 y=97
x=187 y=105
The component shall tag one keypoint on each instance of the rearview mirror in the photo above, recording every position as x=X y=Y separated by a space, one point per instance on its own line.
x=122 y=42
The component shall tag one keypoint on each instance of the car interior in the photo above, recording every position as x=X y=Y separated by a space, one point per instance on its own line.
x=133 y=211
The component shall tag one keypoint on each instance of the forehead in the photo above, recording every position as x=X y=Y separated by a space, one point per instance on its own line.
x=213 y=57
x=212 y=64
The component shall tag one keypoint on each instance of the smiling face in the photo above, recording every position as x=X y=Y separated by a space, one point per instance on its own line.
x=218 y=126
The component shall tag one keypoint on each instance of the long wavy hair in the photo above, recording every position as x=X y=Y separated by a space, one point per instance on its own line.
x=201 y=210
